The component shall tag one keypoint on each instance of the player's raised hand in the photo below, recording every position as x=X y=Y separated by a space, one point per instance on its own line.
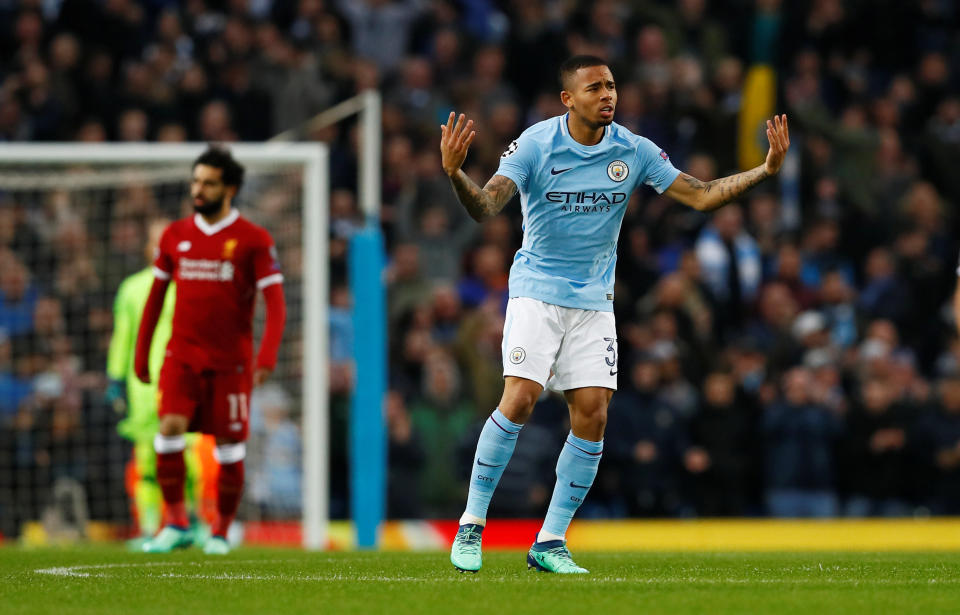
x=455 y=140
x=778 y=134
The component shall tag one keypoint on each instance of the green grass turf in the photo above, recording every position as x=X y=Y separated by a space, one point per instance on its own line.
x=290 y=581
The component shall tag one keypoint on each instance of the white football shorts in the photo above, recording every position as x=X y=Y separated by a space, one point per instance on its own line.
x=570 y=347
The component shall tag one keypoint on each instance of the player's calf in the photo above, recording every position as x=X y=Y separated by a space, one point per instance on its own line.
x=230 y=456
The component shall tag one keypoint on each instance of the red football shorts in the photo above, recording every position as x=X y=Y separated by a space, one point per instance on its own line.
x=216 y=402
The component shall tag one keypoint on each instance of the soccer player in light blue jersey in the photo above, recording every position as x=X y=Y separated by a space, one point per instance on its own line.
x=575 y=174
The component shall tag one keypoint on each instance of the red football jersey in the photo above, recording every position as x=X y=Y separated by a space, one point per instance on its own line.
x=218 y=270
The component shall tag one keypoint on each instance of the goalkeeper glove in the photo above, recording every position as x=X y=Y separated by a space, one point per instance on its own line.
x=116 y=396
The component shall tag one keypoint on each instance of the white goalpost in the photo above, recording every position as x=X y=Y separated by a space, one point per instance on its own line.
x=81 y=202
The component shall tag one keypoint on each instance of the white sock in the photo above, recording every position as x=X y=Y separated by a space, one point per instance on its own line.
x=468 y=518
x=543 y=536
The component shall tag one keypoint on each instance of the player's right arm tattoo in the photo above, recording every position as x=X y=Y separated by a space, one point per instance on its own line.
x=486 y=202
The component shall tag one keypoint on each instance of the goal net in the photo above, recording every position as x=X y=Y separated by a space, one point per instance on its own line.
x=74 y=223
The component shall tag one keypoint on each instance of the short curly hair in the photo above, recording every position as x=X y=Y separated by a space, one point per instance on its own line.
x=221 y=158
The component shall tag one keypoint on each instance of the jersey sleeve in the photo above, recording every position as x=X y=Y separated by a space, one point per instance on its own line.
x=518 y=161
x=266 y=264
x=163 y=260
x=657 y=170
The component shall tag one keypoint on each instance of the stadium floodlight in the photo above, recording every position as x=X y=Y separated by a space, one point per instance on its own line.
x=84 y=203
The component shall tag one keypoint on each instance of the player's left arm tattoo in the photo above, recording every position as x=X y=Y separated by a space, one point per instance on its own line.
x=711 y=195
x=486 y=202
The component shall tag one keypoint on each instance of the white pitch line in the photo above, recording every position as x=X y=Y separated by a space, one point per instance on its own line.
x=79 y=571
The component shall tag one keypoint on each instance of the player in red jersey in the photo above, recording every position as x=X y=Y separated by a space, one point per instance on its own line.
x=219 y=261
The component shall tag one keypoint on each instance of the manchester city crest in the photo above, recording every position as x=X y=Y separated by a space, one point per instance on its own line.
x=618 y=170
x=517 y=355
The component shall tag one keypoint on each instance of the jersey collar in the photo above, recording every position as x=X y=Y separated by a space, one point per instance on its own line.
x=213 y=229
x=566 y=133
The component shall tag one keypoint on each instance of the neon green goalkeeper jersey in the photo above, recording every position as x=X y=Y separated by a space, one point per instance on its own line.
x=141 y=419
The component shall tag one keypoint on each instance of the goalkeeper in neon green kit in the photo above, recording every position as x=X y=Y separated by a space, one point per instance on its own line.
x=139 y=401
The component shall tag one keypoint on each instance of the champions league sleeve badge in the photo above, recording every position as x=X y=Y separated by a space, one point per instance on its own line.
x=511 y=149
x=618 y=170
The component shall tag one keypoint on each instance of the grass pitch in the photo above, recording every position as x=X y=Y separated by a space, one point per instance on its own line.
x=110 y=580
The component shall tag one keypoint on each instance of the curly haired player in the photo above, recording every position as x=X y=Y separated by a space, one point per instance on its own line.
x=219 y=261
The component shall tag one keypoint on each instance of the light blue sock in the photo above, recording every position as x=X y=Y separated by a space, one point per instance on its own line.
x=494 y=449
x=576 y=469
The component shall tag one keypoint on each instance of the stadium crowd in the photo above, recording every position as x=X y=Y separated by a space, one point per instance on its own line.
x=794 y=354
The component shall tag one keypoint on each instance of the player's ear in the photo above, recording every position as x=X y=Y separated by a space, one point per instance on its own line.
x=566 y=99
x=231 y=191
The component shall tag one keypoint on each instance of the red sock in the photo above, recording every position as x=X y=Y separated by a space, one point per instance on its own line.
x=171 y=475
x=229 y=490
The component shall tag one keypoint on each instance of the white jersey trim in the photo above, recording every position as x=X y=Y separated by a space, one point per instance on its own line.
x=160 y=274
x=213 y=229
x=269 y=280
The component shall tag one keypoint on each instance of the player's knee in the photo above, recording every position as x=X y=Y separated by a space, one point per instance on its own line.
x=593 y=416
x=518 y=405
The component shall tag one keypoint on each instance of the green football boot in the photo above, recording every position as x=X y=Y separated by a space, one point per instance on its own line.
x=201 y=533
x=216 y=545
x=169 y=539
x=465 y=552
x=552 y=556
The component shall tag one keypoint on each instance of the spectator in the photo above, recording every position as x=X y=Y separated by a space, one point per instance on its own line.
x=13 y=390
x=406 y=286
x=940 y=446
x=18 y=296
x=442 y=416
x=645 y=442
x=838 y=305
x=771 y=331
x=800 y=437
x=724 y=449
x=731 y=266
x=406 y=458
x=275 y=482
x=885 y=294
x=488 y=279
x=381 y=30
x=787 y=268
x=876 y=454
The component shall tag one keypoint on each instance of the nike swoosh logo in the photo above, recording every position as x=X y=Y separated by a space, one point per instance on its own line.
x=576 y=486
x=556 y=171
x=613 y=372
x=489 y=465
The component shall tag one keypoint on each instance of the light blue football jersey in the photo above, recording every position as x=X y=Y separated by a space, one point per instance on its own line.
x=573 y=198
